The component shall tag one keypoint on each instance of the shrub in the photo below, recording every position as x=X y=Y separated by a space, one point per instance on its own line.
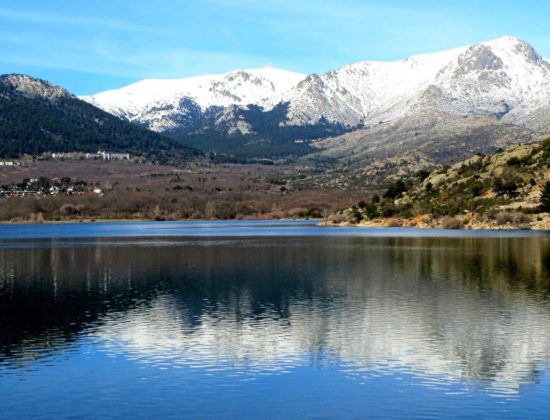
x=388 y=210
x=312 y=213
x=423 y=174
x=371 y=211
x=522 y=218
x=545 y=198
x=429 y=187
x=396 y=189
x=472 y=187
x=546 y=150
x=394 y=223
x=504 y=217
x=513 y=161
x=356 y=214
x=504 y=186
x=448 y=222
x=338 y=218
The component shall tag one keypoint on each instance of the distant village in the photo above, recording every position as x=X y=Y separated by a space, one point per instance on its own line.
x=47 y=187
x=56 y=186
x=100 y=155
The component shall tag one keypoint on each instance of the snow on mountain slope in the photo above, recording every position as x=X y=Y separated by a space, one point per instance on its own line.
x=499 y=77
x=504 y=78
x=165 y=104
x=354 y=92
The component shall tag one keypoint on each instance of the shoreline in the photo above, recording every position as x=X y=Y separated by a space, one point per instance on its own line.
x=141 y=220
x=423 y=222
x=428 y=222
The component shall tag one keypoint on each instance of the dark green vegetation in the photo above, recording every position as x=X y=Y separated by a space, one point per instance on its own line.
x=545 y=198
x=37 y=117
x=515 y=180
x=268 y=137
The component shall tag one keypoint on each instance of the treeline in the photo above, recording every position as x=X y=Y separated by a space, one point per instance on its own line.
x=270 y=137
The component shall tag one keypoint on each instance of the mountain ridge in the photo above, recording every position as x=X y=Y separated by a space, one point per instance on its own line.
x=470 y=99
x=196 y=94
x=499 y=71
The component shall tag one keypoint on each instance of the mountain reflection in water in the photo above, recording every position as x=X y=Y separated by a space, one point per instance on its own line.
x=469 y=311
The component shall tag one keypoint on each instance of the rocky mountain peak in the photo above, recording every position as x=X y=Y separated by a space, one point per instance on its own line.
x=478 y=58
x=516 y=46
x=32 y=87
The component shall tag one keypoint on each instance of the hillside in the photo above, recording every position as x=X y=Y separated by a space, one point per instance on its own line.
x=38 y=117
x=503 y=189
x=402 y=148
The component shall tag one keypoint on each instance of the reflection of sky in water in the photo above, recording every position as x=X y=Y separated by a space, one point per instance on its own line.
x=313 y=320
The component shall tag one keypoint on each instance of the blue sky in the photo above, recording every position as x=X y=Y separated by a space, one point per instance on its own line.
x=93 y=45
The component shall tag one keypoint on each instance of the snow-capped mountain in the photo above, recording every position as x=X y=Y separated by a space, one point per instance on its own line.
x=502 y=86
x=505 y=78
x=170 y=105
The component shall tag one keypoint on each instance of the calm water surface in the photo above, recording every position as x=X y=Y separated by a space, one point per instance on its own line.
x=272 y=320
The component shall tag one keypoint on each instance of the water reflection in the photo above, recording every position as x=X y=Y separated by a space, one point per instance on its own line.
x=469 y=311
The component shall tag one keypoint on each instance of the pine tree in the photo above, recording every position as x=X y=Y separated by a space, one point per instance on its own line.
x=545 y=198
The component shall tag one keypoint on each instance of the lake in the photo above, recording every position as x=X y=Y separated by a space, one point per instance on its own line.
x=272 y=320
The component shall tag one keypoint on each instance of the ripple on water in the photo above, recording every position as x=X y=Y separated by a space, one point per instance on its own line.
x=349 y=319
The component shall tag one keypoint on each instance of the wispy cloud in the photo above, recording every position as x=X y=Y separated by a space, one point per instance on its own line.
x=103 y=57
x=175 y=62
x=51 y=19
x=174 y=38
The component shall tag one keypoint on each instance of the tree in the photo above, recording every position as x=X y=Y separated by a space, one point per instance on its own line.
x=504 y=186
x=395 y=190
x=545 y=198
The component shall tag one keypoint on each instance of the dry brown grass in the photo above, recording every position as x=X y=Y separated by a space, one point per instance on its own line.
x=394 y=223
x=448 y=222
x=196 y=191
x=512 y=218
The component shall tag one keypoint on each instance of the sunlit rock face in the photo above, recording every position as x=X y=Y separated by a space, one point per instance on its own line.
x=464 y=311
x=32 y=88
